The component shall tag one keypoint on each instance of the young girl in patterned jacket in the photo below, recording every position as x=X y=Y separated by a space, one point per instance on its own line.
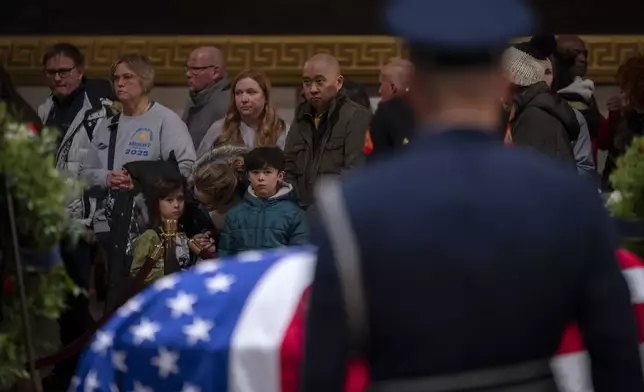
x=166 y=202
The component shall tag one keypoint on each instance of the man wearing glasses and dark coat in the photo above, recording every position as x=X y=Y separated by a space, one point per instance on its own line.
x=75 y=107
x=76 y=104
x=209 y=89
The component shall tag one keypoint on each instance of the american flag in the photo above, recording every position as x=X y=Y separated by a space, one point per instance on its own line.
x=571 y=365
x=221 y=326
x=237 y=326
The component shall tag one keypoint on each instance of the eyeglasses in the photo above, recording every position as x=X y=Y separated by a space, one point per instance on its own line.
x=124 y=78
x=196 y=70
x=61 y=72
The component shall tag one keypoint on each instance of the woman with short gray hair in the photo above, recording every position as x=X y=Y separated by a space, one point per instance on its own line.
x=144 y=131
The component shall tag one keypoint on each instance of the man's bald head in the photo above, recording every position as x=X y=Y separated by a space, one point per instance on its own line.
x=205 y=65
x=566 y=39
x=324 y=61
x=572 y=55
x=321 y=80
x=395 y=78
x=209 y=54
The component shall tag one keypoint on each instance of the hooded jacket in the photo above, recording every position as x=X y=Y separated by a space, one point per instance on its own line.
x=264 y=223
x=580 y=95
x=544 y=122
x=76 y=142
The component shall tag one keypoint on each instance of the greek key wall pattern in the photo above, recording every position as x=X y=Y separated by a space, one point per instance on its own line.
x=281 y=57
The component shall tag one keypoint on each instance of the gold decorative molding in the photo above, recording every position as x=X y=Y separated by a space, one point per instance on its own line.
x=607 y=52
x=281 y=57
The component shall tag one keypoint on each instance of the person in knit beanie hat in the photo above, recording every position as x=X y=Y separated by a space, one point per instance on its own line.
x=528 y=63
x=536 y=118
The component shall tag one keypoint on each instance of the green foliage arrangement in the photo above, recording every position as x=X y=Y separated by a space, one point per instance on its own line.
x=40 y=196
x=627 y=201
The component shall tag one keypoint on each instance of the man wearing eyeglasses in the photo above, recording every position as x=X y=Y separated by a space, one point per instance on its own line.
x=75 y=107
x=209 y=91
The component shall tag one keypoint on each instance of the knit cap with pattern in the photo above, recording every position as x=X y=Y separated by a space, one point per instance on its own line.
x=525 y=63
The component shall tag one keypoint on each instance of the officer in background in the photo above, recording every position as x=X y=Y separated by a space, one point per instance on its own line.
x=392 y=125
x=483 y=253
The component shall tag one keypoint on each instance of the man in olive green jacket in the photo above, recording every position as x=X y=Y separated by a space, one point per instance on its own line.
x=328 y=133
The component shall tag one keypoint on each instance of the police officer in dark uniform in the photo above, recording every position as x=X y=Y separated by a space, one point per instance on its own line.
x=457 y=265
x=391 y=128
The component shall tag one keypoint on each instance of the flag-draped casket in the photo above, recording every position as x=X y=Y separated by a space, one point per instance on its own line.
x=238 y=326
x=219 y=327
x=571 y=366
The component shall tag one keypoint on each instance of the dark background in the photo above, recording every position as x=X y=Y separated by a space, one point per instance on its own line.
x=277 y=17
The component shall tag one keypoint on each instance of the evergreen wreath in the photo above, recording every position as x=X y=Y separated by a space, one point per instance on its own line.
x=40 y=195
x=626 y=202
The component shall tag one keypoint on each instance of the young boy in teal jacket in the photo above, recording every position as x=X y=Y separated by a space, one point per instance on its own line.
x=269 y=216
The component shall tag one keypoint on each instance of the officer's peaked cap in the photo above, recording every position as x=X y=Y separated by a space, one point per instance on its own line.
x=459 y=29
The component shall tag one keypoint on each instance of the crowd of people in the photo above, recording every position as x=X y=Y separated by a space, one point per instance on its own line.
x=241 y=179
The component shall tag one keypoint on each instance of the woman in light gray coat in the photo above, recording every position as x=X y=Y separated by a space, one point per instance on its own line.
x=144 y=131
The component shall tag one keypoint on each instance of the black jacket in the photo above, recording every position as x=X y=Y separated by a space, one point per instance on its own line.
x=392 y=127
x=545 y=122
x=491 y=252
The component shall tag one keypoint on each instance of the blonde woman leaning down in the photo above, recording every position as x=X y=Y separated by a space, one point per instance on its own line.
x=218 y=182
x=251 y=119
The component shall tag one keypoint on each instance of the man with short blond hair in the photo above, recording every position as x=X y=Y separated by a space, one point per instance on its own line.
x=209 y=87
x=392 y=125
x=395 y=78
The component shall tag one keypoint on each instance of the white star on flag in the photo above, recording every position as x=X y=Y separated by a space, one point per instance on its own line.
x=166 y=361
x=74 y=383
x=91 y=382
x=187 y=387
x=138 y=387
x=130 y=307
x=118 y=361
x=166 y=283
x=102 y=341
x=207 y=266
x=219 y=282
x=181 y=304
x=146 y=330
x=198 y=330
x=250 y=256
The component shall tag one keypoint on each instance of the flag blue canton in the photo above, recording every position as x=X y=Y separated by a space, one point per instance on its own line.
x=176 y=335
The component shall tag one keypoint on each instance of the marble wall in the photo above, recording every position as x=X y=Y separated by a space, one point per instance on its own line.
x=285 y=98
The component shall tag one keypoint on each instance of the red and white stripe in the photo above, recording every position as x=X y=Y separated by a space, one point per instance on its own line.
x=571 y=366
x=262 y=345
x=267 y=344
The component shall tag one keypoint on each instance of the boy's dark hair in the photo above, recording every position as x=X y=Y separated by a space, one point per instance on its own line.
x=67 y=50
x=264 y=157
x=161 y=189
